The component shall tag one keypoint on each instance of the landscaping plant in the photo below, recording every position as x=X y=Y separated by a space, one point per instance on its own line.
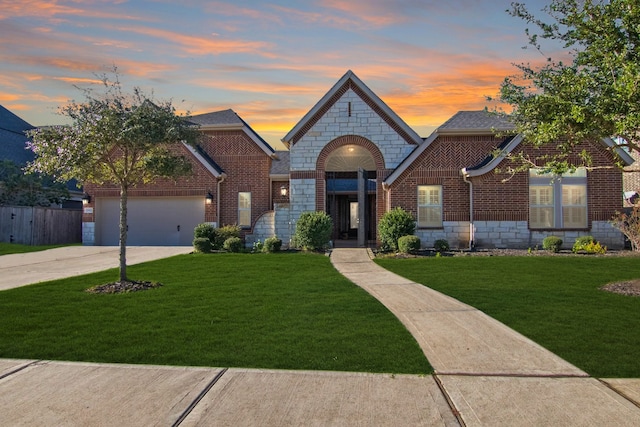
x=313 y=231
x=409 y=244
x=393 y=225
x=552 y=244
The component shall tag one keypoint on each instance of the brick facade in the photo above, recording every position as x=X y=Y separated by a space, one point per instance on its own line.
x=484 y=208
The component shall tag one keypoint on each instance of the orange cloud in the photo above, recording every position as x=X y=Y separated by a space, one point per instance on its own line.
x=51 y=9
x=204 y=46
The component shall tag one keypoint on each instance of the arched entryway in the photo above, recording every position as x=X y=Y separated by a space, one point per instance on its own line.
x=350 y=165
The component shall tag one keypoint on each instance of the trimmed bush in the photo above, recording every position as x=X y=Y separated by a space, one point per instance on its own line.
x=581 y=242
x=224 y=233
x=552 y=244
x=313 y=231
x=232 y=244
x=441 y=245
x=394 y=224
x=272 y=244
x=204 y=230
x=202 y=244
x=409 y=244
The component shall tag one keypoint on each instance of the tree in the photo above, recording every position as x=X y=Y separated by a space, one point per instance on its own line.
x=594 y=95
x=20 y=189
x=124 y=139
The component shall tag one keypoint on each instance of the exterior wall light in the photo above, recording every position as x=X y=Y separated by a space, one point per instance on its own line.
x=208 y=198
x=86 y=199
x=283 y=191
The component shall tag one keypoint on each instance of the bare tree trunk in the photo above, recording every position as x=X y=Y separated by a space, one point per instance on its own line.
x=123 y=233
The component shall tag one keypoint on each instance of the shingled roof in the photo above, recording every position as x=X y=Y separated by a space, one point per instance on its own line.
x=13 y=138
x=475 y=122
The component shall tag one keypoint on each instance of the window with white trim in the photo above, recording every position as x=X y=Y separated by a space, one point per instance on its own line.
x=558 y=201
x=430 y=206
x=244 y=209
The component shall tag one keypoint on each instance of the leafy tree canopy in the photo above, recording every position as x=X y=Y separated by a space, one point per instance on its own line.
x=119 y=138
x=20 y=189
x=596 y=92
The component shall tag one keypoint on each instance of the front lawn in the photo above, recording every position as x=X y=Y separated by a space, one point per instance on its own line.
x=555 y=301
x=280 y=311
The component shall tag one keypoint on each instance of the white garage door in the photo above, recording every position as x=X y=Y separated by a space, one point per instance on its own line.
x=152 y=221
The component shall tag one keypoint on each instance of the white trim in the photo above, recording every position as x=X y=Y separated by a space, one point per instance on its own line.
x=350 y=75
x=204 y=162
x=626 y=157
x=495 y=161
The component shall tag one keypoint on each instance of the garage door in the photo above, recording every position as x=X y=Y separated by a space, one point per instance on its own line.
x=160 y=221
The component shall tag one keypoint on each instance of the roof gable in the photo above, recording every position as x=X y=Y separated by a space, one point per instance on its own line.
x=350 y=81
x=230 y=120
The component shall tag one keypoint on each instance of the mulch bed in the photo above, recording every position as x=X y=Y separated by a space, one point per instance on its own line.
x=123 y=287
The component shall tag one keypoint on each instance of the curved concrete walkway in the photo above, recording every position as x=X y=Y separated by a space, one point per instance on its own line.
x=486 y=374
x=491 y=374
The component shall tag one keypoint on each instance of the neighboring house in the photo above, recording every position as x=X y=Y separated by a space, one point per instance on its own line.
x=354 y=158
x=13 y=147
x=13 y=138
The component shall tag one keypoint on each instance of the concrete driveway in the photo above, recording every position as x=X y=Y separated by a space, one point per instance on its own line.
x=24 y=269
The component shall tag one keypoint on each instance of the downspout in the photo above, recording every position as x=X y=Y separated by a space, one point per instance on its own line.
x=220 y=181
x=465 y=177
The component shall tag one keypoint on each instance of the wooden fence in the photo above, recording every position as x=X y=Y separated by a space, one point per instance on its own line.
x=40 y=226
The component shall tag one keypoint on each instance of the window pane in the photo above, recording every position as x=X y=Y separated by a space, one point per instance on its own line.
x=574 y=195
x=540 y=217
x=244 y=219
x=574 y=217
x=244 y=209
x=429 y=206
x=244 y=200
x=429 y=217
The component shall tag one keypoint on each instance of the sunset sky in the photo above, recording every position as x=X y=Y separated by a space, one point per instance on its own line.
x=270 y=61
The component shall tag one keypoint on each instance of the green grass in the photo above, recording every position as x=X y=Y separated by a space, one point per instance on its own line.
x=280 y=311
x=555 y=301
x=15 y=248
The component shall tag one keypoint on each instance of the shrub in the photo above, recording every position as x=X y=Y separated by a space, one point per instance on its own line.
x=204 y=230
x=272 y=244
x=595 y=248
x=232 y=244
x=409 y=244
x=552 y=243
x=313 y=231
x=441 y=245
x=202 y=244
x=581 y=242
x=394 y=224
x=224 y=233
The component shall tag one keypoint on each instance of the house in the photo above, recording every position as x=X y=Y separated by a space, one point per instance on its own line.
x=13 y=147
x=354 y=158
x=13 y=137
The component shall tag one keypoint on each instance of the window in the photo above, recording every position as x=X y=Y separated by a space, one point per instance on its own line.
x=430 y=206
x=558 y=201
x=244 y=210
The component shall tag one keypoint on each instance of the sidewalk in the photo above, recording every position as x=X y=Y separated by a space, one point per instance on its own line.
x=491 y=374
x=486 y=374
